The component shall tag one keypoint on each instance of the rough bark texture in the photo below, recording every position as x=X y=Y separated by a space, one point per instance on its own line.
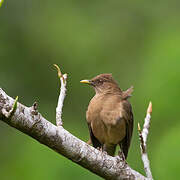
x=31 y=122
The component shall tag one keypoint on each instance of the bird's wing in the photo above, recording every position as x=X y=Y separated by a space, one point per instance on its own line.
x=125 y=143
x=93 y=139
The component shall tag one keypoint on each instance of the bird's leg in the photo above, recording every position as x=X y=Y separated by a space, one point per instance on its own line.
x=103 y=150
x=109 y=149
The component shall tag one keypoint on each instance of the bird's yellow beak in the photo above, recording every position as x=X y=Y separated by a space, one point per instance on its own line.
x=85 y=81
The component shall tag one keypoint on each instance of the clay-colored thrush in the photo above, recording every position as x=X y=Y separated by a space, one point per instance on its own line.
x=109 y=115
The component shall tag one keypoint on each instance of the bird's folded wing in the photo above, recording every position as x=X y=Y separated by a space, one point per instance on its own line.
x=129 y=128
x=93 y=139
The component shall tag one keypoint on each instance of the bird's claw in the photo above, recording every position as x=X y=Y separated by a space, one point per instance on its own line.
x=100 y=149
x=121 y=155
x=104 y=153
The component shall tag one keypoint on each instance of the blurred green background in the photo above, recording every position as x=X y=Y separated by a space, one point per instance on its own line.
x=137 y=41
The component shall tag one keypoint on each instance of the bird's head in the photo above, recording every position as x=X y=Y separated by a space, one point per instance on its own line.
x=103 y=83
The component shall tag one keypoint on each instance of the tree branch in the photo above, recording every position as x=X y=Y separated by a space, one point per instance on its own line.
x=62 y=96
x=143 y=140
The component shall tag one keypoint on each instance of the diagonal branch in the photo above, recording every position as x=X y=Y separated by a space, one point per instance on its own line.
x=29 y=121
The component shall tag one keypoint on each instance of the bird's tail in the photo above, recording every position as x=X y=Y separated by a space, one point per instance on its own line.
x=110 y=149
x=126 y=94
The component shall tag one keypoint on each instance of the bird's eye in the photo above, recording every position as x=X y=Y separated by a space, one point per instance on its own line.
x=100 y=81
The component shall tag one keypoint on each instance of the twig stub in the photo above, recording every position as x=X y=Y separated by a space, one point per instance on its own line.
x=12 y=110
x=62 y=96
x=143 y=139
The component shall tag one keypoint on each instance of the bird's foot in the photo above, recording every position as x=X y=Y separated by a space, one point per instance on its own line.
x=121 y=155
x=104 y=153
x=101 y=150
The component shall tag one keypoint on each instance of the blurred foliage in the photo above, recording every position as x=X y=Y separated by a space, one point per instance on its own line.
x=1 y=2
x=138 y=41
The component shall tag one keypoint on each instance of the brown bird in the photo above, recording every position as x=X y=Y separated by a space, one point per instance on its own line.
x=109 y=115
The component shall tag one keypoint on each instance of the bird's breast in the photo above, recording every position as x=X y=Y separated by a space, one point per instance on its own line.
x=104 y=116
x=93 y=118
